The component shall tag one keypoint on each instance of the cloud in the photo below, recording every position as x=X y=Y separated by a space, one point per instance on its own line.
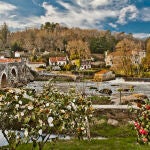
x=73 y=13
x=6 y=7
x=145 y=14
x=141 y=35
x=127 y=13
x=113 y=25
x=97 y=3
x=83 y=15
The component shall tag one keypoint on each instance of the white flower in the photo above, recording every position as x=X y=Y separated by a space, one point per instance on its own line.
x=17 y=137
x=40 y=132
x=17 y=106
x=16 y=97
x=1 y=97
x=17 y=116
x=82 y=128
x=62 y=111
x=8 y=103
x=50 y=120
x=26 y=133
x=85 y=108
x=10 y=91
x=6 y=132
x=47 y=104
x=30 y=107
x=20 y=102
x=69 y=107
x=22 y=113
x=74 y=106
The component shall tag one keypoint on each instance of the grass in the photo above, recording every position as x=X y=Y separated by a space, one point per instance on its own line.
x=109 y=131
x=108 y=144
x=100 y=100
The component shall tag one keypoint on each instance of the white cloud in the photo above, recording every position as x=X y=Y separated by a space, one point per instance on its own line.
x=113 y=25
x=79 y=13
x=145 y=14
x=4 y=7
x=83 y=15
x=97 y=3
x=127 y=13
x=141 y=35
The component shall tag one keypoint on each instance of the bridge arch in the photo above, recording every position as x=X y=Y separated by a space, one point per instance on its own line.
x=14 y=72
x=4 y=81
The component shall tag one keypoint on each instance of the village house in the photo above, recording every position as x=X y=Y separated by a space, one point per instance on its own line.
x=114 y=58
x=35 y=65
x=9 y=60
x=19 y=54
x=57 y=61
x=137 y=56
x=104 y=75
x=85 y=64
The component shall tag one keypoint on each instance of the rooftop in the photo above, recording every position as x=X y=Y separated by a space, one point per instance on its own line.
x=9 y=60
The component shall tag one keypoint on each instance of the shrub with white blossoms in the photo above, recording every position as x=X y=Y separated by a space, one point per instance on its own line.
x=36 y=117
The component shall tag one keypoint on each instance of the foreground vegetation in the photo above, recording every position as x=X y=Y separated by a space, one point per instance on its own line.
x=108 y=144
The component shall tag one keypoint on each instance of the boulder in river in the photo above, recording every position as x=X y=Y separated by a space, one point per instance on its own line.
x=106 y=91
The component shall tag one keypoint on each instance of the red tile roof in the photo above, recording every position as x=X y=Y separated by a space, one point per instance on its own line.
x=61 y=58
x=56 y=59
x=53 y=59
x=9 y=60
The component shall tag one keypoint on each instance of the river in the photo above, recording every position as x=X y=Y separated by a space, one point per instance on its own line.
x=139 y=87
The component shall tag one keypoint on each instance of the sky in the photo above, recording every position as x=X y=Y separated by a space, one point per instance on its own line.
x=130 y=16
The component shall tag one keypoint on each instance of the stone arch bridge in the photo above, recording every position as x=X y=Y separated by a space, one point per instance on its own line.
x=14 y=74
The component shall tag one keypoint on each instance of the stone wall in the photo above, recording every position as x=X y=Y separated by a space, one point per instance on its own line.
x=14 y=74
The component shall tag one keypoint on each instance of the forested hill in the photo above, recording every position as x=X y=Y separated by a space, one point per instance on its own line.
x=54 y=37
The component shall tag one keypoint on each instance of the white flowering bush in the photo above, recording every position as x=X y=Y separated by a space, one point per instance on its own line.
x=26 y=116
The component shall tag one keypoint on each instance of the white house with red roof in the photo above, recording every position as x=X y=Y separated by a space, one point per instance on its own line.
x=57 y=61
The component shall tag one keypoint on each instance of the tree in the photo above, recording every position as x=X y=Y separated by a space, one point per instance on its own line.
x=102 y=44
x=4 y=35
x=78 y=49
x=146 y=60
x=16 y=47
x=124 y=51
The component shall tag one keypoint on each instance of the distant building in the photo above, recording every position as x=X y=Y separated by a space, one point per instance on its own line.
x=85 y=64
x=114 y=59
x=9 y=60
x=137 y=56
x=57 y=61
x=18 y=54
x=104 y=75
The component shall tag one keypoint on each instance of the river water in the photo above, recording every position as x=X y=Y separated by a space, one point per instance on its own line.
x=139 y=87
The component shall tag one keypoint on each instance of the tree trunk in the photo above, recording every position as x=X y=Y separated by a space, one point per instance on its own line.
x=88 y=129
